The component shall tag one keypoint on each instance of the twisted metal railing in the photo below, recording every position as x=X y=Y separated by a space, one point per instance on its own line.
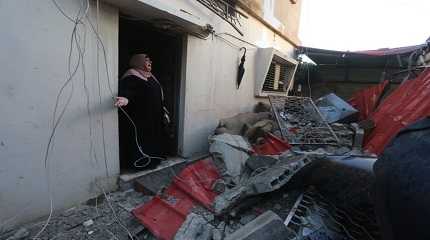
x=226 y=11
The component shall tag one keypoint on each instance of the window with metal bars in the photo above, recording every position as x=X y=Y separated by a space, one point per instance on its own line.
x=276 y=78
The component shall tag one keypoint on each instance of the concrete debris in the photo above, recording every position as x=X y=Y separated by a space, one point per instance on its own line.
x=88 y=223
x=22 y=233
x=195 y=227
x=230 y=153
x=217 y=234
x=263 y=180
x=206 y=214
x=219 y=186
x=154 y=181
x=235 y=125
x=261 y=107
x=267 y=226
x=257 y=162
x=96 y=220
x=258 y=130
x=246 y=218
x=278 y=206
x=358 y=137
x=227 y=199
x=221 y=226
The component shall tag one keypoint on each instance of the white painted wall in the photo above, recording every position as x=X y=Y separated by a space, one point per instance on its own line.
x=34 y=45
x=211 y=69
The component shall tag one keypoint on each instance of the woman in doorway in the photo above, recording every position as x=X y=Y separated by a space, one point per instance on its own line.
x=141 y=98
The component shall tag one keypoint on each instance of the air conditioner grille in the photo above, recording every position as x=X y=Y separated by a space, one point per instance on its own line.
x=276 y=77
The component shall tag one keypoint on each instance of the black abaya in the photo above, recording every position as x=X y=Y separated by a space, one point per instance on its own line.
x=145 y=109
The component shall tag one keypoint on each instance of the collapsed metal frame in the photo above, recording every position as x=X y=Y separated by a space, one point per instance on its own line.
x=314 y=217
x=225 y=11
x=300 y=121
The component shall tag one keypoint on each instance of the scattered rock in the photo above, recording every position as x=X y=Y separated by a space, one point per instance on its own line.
x=217 y=234
x=221 y=226
x=88 y=223
x=235 y=125
x=247 y=218
x=195 y=227
x=20 y=234
x=267 y=226
x=278 y=206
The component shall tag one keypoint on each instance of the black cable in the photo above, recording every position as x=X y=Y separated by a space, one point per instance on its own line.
x=56 y=120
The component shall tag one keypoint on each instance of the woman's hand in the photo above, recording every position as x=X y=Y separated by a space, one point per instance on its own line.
x=121 y=102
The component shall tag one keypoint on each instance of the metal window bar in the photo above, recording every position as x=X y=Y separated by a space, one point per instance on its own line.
x=225 y=11
x=316 y=216
x=300 y=121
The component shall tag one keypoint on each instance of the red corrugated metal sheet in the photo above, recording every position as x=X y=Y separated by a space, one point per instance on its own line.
x=164 y=215
x=272 y=146
x=365 y=100
x=409 y=103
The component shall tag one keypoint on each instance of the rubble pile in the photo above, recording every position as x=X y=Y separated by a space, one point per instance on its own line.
x=253 y=186
x=94 y=219
x=265 y=161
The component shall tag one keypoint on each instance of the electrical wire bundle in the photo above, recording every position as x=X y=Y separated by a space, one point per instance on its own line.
x=78 y=44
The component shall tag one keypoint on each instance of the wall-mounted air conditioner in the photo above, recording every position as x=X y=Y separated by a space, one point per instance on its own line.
x=274 y=72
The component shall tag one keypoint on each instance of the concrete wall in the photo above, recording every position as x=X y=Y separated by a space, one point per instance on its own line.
x=34 y=45
x=286 y=12
x=210 y=79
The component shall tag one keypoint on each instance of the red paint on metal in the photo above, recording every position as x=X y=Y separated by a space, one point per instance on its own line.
x=365 y=100
x=272 y=146
x=405 y=105
x=164 y=215
x=391 y=51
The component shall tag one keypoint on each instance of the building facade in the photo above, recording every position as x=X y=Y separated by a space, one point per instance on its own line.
x=69 y=55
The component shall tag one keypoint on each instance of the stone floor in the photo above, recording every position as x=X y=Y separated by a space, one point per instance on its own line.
x=93 y=220
x=96 y=220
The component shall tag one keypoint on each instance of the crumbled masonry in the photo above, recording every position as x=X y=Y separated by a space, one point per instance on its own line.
x=317 y=187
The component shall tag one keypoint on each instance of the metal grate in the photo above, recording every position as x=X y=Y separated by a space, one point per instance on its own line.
x=276 y=77
x=301 y=122
x=226 y=11
x=315 y=217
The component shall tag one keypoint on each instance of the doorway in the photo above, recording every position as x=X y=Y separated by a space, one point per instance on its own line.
x=165 y=50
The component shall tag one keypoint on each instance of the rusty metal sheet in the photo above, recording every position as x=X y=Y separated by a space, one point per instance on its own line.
x=365 y=100
x=407 y=104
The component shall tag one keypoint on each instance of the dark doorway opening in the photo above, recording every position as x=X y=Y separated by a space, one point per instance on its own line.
x=165 y=50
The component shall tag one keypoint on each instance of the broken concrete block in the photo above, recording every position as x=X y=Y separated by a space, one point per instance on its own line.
x=247 y=218
x=230 y=154
x=217 y=235
x=261 y=107
x=195 y=227
x=260 y=162
x=258 y=130
x=235 y=125
x=358 y=137
x=88 y=223
x=22 y=233
x=267 y=226
x=264 y=181
x=225 y=200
